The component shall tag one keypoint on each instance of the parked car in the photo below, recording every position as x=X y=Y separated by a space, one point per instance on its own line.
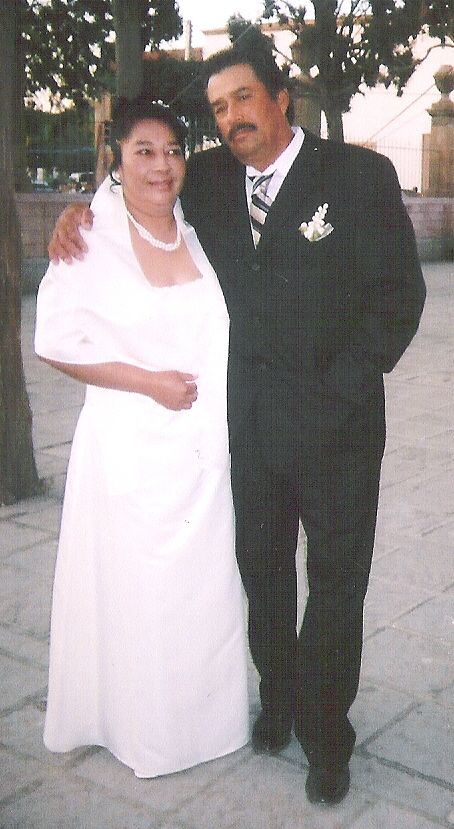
x=84 y=182
x=39 y=185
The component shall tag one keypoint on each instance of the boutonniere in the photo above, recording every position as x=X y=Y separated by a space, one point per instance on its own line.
x=317 y=228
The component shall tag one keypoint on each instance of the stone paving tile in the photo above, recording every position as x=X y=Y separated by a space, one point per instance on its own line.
x=16 y=773
x=265 y=792
x=375 y=708
x=49 y=396
x=388 y=599
x=24 y=647
x=388 y=816
x=424 y=426
x=18 y=681
x=424 y=562
x=433 y=618
x=22 y=733
x=39 y=559
x=75 y=805
x=404 y=713
x=166 y=793
x=390 y=784
x=436 y=501
x=27 y=507
x=26 y=610
x=408 y=662
x=446 y=697
x=409 y=516
x=404 y=460
x=17 y=536
x=47 y=519
x=423 y=740
x=44 y=430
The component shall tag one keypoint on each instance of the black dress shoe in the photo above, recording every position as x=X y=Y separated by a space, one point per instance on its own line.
x=327 y=786
x=271 y=732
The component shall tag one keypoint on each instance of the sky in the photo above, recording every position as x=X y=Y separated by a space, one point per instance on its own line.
x=379 y=115
x=212 y=14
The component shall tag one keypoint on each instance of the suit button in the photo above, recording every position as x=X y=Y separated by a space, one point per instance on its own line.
x=255 y=267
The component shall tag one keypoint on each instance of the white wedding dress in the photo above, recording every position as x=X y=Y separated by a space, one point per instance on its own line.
x=148 y=649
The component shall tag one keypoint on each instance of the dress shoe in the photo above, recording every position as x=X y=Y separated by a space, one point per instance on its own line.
x=327 y=786
x=271 y=732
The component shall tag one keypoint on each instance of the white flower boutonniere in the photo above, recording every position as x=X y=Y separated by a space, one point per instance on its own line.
x=317 y=228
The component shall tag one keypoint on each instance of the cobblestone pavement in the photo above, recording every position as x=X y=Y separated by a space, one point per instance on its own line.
x=403 y=765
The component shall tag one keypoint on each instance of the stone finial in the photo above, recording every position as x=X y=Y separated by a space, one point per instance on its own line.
x=444 y=79
x=442 y=111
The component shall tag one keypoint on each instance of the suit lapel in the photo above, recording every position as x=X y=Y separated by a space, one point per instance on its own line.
x=297 y=200
x=300 y=193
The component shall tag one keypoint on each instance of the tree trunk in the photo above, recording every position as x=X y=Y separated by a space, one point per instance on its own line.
x=334 y=123
x=18 y=474
x=128 y=47
x=22 y=181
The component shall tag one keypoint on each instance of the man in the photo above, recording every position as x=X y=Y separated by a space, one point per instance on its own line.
x=325 y=292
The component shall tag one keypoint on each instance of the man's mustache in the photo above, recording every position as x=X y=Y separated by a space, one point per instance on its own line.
x=238 y=128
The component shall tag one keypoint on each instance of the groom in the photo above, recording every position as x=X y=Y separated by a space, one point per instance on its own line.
x=317 y=259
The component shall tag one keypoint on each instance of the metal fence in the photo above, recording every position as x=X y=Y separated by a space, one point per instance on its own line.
x=61 y=151
x=410 y=160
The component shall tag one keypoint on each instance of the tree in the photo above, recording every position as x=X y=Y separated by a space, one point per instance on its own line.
x=354 y=42
x=18 y=474
x=67 y=47
x=133 y=33
x=179 y=84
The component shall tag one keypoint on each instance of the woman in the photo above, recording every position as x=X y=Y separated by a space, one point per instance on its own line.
x=147 y=652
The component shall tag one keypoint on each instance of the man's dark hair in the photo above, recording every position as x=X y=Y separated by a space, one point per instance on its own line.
x=262 y=64
x=127 y=113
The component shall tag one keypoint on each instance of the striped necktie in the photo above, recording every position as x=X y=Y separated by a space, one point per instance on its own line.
x=260 y=204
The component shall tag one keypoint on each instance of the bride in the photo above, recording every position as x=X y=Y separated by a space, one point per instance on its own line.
x=148 y=649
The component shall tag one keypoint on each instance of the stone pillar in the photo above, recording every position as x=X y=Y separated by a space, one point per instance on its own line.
x=308 y=112
x=305 y=96
x=438 y=146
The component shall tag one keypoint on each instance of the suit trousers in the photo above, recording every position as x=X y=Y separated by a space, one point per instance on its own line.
x=331 y=485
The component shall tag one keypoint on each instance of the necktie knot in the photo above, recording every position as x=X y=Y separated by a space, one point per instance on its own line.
x=260 y=183
x=260 y=204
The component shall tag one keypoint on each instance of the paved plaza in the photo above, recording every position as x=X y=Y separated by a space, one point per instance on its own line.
x=403 y=765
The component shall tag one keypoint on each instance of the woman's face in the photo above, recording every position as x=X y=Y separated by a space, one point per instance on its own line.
x=152 y=167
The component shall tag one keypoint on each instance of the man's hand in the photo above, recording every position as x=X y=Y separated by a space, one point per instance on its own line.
x=66 y=242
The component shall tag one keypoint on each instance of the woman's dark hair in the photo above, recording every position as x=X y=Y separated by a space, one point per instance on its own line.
x=127 y=113
x=262 y=63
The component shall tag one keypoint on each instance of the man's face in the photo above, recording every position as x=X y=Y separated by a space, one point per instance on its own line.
x=253 y=124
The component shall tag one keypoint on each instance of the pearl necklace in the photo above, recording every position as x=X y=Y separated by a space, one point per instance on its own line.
x=145 y=234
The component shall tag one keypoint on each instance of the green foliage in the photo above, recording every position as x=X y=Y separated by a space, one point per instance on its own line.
x=67 y=45
x=243 y=33
x=174 y=82
x=178 y=84
x=438 y=17
x=63 y=140
x=357 y=42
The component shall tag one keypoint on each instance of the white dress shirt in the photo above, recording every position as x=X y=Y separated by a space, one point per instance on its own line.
x=279 y=168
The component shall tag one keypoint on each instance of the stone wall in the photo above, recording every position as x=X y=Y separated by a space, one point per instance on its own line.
x=433 y=220
x=37 y=214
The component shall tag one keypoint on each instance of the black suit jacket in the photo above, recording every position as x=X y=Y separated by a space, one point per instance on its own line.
x=313 y=324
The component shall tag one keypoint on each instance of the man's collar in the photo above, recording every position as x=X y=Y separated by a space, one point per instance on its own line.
x=286 y=158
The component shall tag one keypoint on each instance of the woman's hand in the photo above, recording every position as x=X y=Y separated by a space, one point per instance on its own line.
x=66 y=242
x=173 y=389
